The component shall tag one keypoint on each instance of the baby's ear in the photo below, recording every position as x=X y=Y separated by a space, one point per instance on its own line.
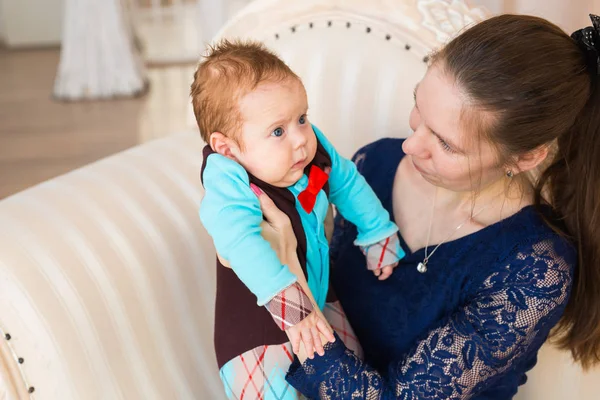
x=223 y=145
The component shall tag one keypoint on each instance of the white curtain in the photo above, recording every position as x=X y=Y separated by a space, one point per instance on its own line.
x=107 y=43
x=98 y=56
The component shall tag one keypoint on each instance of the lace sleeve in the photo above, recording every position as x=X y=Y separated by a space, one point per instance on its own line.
x=509 y=317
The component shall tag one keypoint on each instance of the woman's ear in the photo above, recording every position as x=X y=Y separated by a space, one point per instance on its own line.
x=532 y=159
x=223 y=145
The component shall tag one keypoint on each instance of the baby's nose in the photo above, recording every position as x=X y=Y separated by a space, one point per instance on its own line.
x=299 y=139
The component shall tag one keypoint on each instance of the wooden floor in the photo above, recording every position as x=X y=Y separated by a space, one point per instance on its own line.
x=41 y=138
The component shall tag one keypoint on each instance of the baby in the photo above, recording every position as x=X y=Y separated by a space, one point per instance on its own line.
x=251 y=110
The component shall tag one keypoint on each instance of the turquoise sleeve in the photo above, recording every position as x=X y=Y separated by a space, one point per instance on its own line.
x=231 y=214
x=354 y=198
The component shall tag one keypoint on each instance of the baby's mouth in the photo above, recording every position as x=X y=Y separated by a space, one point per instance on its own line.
x=300 y=164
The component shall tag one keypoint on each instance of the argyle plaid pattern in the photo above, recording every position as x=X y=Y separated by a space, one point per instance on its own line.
x=383 y=253
x=334 y=314
x=259 y=374
x=290 y=306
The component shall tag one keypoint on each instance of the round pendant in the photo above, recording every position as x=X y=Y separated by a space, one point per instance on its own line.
x=422 y=268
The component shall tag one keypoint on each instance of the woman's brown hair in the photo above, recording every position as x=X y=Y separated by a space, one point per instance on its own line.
x=536 y=83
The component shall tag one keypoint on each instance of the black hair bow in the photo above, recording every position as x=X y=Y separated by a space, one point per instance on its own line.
x=588 y=40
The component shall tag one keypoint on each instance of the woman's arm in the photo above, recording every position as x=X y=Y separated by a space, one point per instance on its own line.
x=512 y=314
x=231 y=214
x=277 y=230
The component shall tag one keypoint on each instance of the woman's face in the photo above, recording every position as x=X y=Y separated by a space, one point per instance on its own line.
x=443 y=150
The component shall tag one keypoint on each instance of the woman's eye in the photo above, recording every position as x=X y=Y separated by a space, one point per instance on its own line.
x=277 y=132
x=302 y=120
x=445 y=146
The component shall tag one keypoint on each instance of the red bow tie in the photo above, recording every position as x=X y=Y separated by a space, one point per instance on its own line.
x=316 y=181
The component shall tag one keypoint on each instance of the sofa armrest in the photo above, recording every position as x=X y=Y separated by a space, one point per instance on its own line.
x=107 y=280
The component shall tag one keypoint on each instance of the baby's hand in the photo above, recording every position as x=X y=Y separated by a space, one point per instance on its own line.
x=385 y=272
x=294 y=313
x=382 y=257
x=307 y=331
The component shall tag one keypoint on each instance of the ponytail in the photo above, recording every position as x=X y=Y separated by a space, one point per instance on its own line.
x=573 y=182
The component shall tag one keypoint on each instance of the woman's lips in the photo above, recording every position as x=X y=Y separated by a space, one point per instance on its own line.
x=421 y=171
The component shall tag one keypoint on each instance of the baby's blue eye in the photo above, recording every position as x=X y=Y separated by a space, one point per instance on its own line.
x=277 y=132
x=302 y=120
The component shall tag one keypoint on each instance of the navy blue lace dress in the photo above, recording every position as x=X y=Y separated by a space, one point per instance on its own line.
x=470 y=327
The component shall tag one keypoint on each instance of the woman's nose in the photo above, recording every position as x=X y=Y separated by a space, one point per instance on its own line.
x=417 y=144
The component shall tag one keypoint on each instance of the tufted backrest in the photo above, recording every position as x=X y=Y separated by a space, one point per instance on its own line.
x=359 y=60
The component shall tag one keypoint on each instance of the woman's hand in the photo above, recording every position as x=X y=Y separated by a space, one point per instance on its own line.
x=277 y=230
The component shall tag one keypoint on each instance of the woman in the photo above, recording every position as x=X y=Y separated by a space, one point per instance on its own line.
x=495 y=258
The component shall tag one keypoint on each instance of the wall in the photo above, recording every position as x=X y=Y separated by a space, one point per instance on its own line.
x=39 y=22
x=32 y=22
x=1 y=24
x=569 y=15
x=495 y=6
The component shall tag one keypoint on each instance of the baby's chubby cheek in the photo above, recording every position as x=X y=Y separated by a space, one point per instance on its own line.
x=275 y=171
x=294 y=176
x=286 y=176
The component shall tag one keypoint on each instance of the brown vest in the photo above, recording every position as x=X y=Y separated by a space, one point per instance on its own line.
x=240 y=324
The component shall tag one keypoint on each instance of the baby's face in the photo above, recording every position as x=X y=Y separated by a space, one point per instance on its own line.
x=277 y=138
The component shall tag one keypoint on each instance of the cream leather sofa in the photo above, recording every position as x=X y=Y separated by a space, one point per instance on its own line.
x=107 y=276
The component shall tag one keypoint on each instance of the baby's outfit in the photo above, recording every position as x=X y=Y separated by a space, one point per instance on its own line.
x=253 y=353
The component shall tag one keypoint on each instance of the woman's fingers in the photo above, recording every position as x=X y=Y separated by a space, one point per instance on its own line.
x=273 y=214
x=329 y=224
x=223 y=261
x=296 y=344
x=326 y=330
x=277 y=228
x=317 y=341
x=308 y=341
